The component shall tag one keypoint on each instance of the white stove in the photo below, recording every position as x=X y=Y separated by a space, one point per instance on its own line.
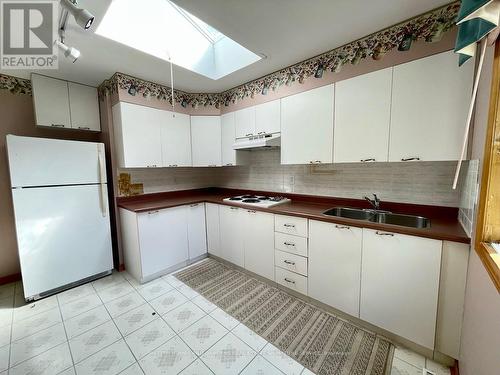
x=257 y=200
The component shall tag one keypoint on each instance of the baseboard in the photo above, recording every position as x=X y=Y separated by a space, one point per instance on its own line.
x=10 y=278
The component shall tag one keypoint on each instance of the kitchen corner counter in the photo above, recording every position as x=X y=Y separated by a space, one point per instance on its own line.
x=444 y=220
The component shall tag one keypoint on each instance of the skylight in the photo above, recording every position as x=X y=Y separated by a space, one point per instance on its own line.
x=164 y=30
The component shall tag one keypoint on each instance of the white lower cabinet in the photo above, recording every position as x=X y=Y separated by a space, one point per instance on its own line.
x=156 y=241
x=258 y=238
x=197 y=233
x=335 y=265
x=399 y=284
x=213 y=228
x=231 y=234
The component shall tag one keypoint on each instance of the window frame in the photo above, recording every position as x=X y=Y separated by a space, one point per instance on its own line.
x=488 y=216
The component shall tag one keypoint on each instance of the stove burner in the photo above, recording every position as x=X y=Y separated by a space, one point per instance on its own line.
x=264 y=198
x=251 y=200
x=235 y=199
x=248 y=196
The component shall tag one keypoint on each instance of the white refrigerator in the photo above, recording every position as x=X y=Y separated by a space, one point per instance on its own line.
x=59 y=192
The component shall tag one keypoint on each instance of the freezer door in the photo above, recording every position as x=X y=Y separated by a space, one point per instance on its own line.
x=63 y=235
x=49 y=162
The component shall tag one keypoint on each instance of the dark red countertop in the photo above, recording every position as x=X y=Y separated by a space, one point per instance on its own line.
x=444 y=220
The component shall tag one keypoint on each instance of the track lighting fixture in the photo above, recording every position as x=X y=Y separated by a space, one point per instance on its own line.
x=83 y=17
x=69 y=52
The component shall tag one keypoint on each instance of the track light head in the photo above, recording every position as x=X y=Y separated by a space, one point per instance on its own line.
x=68 y=52
x=83 y=17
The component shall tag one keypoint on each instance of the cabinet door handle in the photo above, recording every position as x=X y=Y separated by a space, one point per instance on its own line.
x=153 y=212
x=289 y=244
x=289 y=281
x=410 y=159
x=384 y=234
x=289 y=225
x=194 y=205
x=367 y=160
x=233 y=208
x=248 y=135
x=151 y=166
x=289 y=262
x=83 y=128
x=229 y=164
x=58 y=125
x=342 y=227
x=173 y=165
x=261 y=133
x=251 y=211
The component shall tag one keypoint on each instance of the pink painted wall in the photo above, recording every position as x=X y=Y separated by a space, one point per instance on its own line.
x=480 y=346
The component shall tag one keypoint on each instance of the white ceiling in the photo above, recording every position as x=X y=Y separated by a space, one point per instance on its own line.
x=287 y=31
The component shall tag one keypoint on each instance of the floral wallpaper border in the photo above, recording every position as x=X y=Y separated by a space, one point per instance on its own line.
x=430 y=27
x=15 y=85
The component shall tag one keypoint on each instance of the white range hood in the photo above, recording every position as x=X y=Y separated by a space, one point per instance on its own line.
x=268 y=140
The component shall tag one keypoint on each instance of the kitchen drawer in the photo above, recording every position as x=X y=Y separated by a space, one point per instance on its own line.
x=291 y=225
x=291 y=280
x=290 y=244
x=291 y=262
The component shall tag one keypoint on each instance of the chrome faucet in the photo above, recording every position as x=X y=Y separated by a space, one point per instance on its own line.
x=375 y=202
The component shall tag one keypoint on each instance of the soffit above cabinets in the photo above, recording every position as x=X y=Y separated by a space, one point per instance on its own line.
x=286 y=31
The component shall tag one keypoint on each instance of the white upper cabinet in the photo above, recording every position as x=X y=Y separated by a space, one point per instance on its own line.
x=430 y=100
x=51 y=101
x=206 y=141
x=84 y=107
x=229 y=155
x=176 y=139
x=137 y=135
x=268 y=117
x=399 y=284
x=307 y=127
x=362 y=118
x=335 y=265
x=197 y=232
x=245 y=122
x=62 y=104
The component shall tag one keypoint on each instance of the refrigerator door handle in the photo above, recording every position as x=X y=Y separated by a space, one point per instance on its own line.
x=102 y=178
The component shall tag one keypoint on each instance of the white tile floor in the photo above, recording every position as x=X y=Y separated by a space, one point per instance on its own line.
x=117 y=326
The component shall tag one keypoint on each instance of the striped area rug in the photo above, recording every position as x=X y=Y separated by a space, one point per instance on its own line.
x=321 y=342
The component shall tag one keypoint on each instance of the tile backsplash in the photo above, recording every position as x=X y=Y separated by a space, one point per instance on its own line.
x=420 y=183
x=468 y=196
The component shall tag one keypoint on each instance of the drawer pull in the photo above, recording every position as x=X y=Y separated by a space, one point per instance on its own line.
x=233 y=208
x=57 y=125
x=229 y=164
x=153 y=212
x=289 y=262
x=251 y=211
x=410 y=159
x=289 y=244
x=367 y=160
x=151 y=166
x=342 y=227
x=173 y=165
x=289 y=281
x=289 y=225
x=384 y=234
x=83 y=128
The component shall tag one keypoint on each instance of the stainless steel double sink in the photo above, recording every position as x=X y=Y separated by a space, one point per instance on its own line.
x=378 y=216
